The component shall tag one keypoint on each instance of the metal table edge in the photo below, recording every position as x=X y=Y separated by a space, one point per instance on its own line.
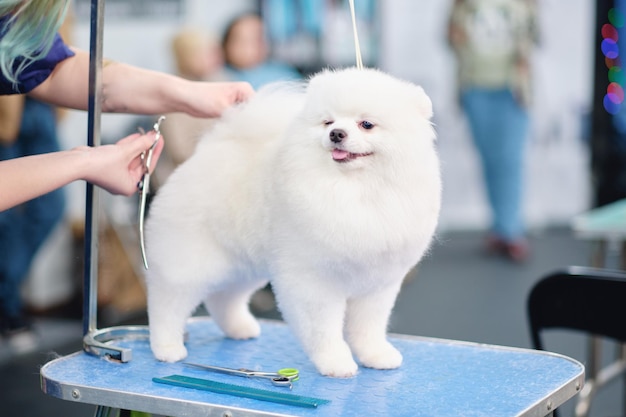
x=137 y=402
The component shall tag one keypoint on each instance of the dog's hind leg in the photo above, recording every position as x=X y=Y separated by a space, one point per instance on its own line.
x=230 y=309
x=170 y=304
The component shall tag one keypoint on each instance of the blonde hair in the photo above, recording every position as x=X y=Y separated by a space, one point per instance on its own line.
x=186 y=42
x=28 y=32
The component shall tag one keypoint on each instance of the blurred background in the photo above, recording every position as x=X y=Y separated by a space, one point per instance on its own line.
x=574 y=157
x=407 y=39
x=404 y=38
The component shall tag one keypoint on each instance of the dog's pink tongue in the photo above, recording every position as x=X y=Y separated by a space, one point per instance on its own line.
x=339 y=155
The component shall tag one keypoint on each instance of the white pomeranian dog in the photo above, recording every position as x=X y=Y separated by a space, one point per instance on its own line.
x=329 y=190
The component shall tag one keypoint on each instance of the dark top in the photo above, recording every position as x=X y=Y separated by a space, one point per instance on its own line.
x=37 y=71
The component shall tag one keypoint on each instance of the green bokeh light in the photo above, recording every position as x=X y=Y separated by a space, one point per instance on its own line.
x=616 y=75
x=616 y=18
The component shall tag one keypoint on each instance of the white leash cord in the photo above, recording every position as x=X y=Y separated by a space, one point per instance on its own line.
x=359 y=59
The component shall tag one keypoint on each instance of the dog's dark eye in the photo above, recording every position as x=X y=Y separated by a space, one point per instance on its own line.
x=366 y=125
x=328 y=122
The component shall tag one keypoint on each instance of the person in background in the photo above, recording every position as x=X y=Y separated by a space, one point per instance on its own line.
x=246 y=53
x=198 y=55
x=24 y=228
x=35 y=61
x=492 y=41
x=29 y=128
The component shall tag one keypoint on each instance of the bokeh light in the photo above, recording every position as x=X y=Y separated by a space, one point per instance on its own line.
x=610 y=106
x=615 y=92
x=609 y=32
x=610 y=47
x=616 y=75
x=616 y=18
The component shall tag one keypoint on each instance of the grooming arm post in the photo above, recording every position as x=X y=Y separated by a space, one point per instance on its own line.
x=97 y=342
x=90 y=276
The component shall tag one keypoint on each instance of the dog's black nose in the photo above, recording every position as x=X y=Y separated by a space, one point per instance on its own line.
x=337 y=135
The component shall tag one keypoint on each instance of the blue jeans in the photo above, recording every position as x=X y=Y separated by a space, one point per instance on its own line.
x=499 y=127
x=24 y=228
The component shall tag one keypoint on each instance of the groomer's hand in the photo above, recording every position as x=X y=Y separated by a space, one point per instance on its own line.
x=118 y=168
x=210 y=99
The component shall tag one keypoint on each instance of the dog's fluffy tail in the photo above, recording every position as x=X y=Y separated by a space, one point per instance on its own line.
x=265 y=115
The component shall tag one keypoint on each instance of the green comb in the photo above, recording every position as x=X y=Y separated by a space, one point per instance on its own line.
x=241 y=391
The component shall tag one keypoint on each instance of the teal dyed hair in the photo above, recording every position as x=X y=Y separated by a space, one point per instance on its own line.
x=29 y=32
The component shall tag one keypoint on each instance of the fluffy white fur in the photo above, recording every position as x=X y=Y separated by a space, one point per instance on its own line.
x=264 y=198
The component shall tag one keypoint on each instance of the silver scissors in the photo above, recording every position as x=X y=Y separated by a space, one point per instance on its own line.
x=144 y=187
x=281 y=378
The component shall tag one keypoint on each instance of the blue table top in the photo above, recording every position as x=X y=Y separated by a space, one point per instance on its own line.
x=438 y=378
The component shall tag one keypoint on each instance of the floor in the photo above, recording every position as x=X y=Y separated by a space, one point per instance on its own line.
x=457 y=292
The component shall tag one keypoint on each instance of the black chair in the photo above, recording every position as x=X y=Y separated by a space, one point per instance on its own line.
x=588 y=300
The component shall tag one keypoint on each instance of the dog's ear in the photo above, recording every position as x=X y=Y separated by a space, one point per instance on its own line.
x=424 y=104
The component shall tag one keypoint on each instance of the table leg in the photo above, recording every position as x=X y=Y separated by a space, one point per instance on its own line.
x=103 y=411
x=598 y=254
x=598 y=259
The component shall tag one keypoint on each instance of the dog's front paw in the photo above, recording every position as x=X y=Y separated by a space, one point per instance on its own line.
x=336 y=363
x=173 y=352
x=337 y=368
x=381 y=356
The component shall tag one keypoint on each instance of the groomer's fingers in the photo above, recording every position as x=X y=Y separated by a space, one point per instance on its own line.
x=136 y=144
x=133 y=147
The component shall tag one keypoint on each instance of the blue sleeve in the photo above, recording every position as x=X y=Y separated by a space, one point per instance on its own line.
x=37 y=71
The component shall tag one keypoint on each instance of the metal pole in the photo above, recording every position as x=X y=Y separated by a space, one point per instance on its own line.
x=98 y=341
x=90 y=276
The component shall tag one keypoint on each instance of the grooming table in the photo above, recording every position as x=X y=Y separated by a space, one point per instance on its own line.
x=438 y=378
x=605 y=227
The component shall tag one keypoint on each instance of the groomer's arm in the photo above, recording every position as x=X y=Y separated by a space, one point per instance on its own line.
x=116 y=168
x=129 y=89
